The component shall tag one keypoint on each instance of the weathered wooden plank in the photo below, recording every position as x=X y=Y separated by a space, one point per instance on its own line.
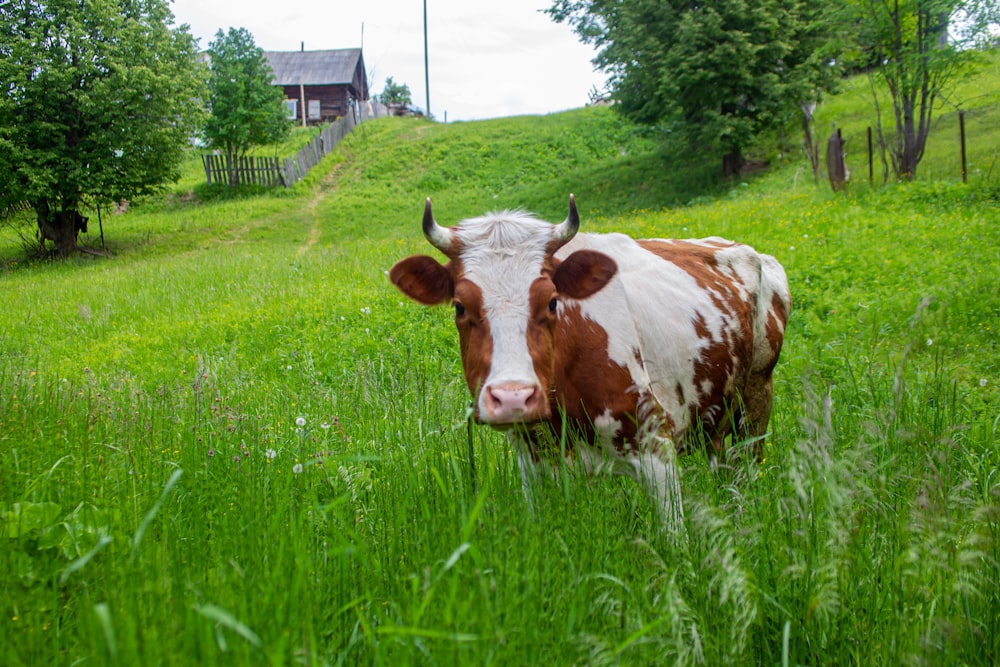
x=271 y=171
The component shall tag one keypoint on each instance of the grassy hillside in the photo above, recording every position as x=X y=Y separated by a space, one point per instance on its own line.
x=234 y=442
x=977 y=95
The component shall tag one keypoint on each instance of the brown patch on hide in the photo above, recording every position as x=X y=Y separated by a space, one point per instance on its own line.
x=586 y=382
x=474 y=339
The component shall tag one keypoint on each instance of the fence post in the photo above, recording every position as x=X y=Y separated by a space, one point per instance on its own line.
x=835 y=167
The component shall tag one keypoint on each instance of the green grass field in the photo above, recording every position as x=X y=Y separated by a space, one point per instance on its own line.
x=233 y=442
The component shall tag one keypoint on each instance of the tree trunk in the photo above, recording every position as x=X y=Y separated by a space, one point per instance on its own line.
x=732 y=163
x=913 y=137
x=61 y=227
x=809 y=144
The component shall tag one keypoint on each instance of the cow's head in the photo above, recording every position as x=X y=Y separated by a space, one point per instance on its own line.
x=505 y=285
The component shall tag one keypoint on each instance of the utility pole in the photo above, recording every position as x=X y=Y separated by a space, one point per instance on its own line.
x=427 y=75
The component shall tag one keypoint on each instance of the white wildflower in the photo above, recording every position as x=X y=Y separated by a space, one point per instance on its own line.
x=297 y=468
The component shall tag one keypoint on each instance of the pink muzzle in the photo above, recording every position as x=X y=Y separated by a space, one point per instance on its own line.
x=511 y=403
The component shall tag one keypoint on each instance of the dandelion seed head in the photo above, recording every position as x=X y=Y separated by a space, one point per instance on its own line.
x=297 y=468
x=270 y=454
x=300 y=421
x=982 y=382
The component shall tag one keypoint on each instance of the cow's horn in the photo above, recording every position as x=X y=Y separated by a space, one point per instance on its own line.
x=439 y=237
x=569 y=227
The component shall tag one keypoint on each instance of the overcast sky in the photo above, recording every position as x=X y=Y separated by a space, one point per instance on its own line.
x=488 y=58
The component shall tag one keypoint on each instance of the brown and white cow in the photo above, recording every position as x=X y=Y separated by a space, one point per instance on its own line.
x=633 y=344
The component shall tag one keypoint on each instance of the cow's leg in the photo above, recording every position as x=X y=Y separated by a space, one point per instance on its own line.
x=756 y=411
x=529 y=478
x=527 y=466
x=658 y=473
x=653 y=463
x=717 y=443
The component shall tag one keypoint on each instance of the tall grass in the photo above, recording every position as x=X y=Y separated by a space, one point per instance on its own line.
x=234 y=443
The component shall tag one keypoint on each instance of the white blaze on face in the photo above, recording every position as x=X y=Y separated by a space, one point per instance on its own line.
x=503 y=255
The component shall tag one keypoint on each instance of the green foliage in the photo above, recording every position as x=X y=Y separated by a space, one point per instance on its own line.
x=976 y=93
x=917 y=50
x=720 y=72
x=236 y=443
x=246 y=108
x=395 y=93
x=99 y=102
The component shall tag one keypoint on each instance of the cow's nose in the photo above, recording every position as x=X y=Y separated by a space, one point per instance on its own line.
x=509 y=403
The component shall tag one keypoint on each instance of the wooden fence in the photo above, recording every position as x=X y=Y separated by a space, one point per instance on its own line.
x=8 y=211
x=275 y=171
x=242 y=170
x=295 y=168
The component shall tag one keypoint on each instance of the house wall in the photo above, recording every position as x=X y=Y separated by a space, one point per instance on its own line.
x=334 y=101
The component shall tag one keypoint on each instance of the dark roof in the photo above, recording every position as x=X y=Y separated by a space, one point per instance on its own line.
x=314 y=68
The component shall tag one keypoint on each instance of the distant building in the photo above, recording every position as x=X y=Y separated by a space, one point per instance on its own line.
x=324 y=84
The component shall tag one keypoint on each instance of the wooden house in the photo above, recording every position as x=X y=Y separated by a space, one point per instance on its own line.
x=324 y=84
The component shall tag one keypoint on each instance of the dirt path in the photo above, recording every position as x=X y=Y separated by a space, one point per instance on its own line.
x=316 y=231
x=313 y=239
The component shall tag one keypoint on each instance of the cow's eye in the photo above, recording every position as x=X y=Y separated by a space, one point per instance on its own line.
x=552 y=304
x=459 y=309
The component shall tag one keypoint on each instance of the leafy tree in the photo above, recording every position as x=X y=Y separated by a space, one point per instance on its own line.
x=247 y=109
x=98 y=101
x=395 y=93
x=917 y=49
x=720 y=71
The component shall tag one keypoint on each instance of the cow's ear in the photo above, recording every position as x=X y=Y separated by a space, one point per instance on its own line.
x=423 y=279
x=584 y=273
